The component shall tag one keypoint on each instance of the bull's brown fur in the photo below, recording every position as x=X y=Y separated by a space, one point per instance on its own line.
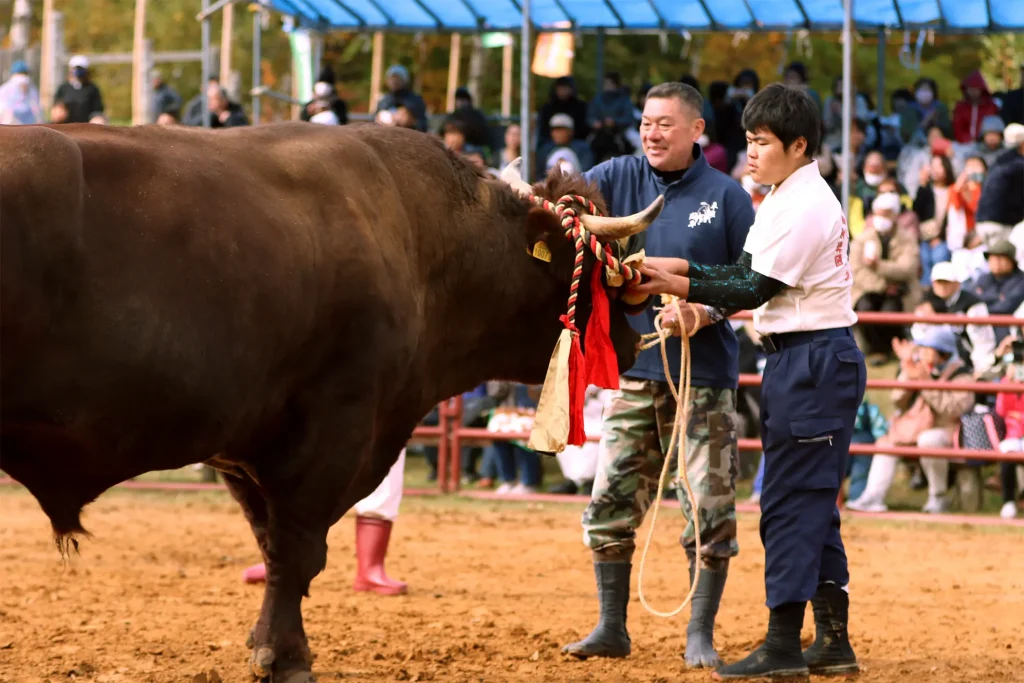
x=285 y=302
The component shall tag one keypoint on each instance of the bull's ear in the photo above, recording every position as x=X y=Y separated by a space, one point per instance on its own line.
x=544 y=233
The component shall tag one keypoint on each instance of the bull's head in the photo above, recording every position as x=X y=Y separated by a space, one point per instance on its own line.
x=544 y=229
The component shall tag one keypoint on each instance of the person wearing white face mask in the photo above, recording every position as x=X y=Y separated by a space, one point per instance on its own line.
x=19 y=99
x=926 y=111
x=884 y=259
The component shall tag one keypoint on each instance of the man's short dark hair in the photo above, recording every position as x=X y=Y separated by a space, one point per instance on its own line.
x=788 y=113
x=686 y=94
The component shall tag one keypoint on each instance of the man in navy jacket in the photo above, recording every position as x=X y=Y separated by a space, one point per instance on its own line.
x=706 y=218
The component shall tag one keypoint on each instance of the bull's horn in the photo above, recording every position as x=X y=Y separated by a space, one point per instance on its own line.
x=513 y=176
x=617 y=228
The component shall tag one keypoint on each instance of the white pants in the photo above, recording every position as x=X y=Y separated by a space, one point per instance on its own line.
x=883 y=468
x=383 y=503
x=936 y=470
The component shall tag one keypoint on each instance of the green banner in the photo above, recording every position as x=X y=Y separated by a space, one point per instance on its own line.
x=301 y=43
x=496 y=39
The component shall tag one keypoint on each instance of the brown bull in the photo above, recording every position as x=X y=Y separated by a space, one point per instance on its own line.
x=284 y=302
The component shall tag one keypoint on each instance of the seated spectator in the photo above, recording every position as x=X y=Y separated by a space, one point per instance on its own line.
x=885 y=259
x=515 y=414
x=1002 y=287
x=562 y=140
x=165 y=98
x=990 y=144
x=470 y=120
x=562 y=99
x=869 y=426
x=1010 y=407
x=976 y=344
x=610 y=111
x=1002 y=201
x=970 y=112
x=400 y=94
x=795 y=76
x=19 y=98
x=926 y=111
x=405 y=117
x=930 y=204
x=963 y=202
x=579 y=463
x=454 y=135
x=325 y=91
x=513 y=145
x=872 y=175
x=168 y=118
x=927 y=419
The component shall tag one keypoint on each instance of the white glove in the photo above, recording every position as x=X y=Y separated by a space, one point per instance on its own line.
x=1011 y=446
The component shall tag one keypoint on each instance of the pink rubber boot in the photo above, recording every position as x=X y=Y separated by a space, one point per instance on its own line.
x=255 y=574
x=372 y=537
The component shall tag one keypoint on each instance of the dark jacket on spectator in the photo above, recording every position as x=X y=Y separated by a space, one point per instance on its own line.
x=337 y=105
x=166 y=100
x=574 y=107
x=473 y=124
x=1003 y=296
x=81 y=102
x=408 y=99
x=1002 y=194
x=611 y=105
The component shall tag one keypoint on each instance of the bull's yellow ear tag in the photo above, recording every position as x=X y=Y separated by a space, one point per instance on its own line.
x=541 y=251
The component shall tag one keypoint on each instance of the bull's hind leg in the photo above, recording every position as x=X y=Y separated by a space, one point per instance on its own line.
x=307 y=488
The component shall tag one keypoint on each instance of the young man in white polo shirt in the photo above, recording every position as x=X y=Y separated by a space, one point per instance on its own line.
x=795 y=272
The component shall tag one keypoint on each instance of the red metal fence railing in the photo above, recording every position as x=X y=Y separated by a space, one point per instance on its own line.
x=450 y=436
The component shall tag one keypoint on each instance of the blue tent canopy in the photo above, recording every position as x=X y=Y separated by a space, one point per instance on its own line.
x=636 y=15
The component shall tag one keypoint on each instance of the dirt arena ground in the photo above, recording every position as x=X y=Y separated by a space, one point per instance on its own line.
x=496 y=589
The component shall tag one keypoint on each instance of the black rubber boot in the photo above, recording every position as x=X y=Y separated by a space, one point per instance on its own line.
x=609 y=638
x=780 y=656
x=831 y=653
x=700 y=632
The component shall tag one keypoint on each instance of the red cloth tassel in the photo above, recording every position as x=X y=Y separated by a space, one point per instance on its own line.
x=602 y=363
x=577 y=389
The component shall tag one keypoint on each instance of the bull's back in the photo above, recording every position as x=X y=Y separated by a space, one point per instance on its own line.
x=211 y=274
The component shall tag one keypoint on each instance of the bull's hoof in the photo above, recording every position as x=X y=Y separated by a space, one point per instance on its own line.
x=261 y=662
x=294 y=677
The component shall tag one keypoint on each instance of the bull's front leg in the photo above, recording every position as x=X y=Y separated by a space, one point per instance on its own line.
x=295 y=553
x=307 y=484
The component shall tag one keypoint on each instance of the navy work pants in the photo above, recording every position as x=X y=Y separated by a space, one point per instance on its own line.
x=813 y=384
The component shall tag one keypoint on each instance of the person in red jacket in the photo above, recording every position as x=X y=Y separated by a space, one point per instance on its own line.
x=1010 y=407
x=973 y=108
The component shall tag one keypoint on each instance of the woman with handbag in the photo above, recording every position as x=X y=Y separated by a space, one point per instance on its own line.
x=926 y=419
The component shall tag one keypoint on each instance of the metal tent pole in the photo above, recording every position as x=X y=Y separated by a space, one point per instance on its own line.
x=257 y=59
x=206 y=64
x=525 y=146
x=880 y=94
x=847 y=99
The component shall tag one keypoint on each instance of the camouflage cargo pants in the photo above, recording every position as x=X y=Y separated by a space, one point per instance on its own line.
x=637 y=429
